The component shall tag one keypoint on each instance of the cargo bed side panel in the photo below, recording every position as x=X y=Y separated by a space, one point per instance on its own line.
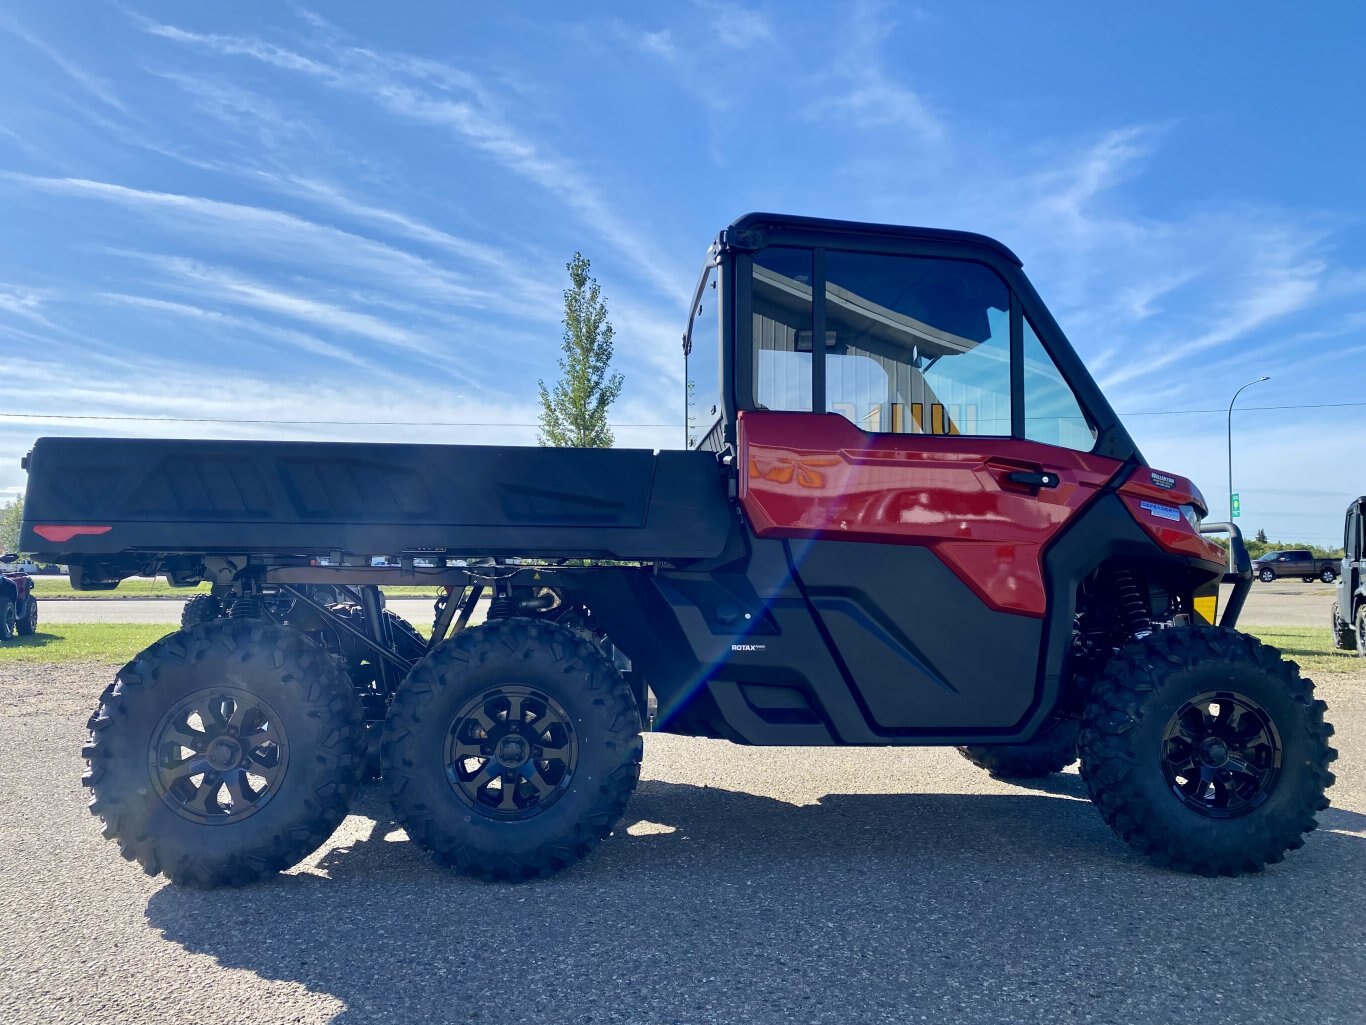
x=310 y=497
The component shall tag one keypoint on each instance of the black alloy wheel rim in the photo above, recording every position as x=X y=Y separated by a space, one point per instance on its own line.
x=218 y=756
x=511 y=752
x=1221 y=754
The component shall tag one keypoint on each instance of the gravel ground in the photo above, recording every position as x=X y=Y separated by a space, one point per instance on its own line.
x=756 y=885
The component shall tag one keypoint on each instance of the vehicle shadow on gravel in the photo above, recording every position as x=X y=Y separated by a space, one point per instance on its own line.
x=716 y=905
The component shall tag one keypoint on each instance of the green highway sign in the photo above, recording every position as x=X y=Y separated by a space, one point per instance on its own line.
x=1236 y=504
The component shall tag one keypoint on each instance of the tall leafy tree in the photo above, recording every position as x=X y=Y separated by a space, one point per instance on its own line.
x=11 y=516
x=574 y=412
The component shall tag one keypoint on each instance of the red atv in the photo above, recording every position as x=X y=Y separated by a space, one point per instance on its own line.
x=18 y=604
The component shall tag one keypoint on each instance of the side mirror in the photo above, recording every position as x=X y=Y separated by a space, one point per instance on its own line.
x=9 y=557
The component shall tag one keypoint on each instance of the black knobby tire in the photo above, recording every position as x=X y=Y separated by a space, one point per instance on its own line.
x=202 y=608
x=408 y=642
x=27 y=624
x=273 y=683
x=1361 y=631
x=1126 y=754
x=1054 y=749
x=1267 y=576
x=9 y=623
x=360 y=665
x=576 y=802
x=1344 y=634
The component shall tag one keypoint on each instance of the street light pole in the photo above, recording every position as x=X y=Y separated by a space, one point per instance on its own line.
x=1230 y=441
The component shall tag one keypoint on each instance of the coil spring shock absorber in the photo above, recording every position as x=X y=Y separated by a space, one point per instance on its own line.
x=1130 y=604
x=501 y=606
x=250 y=607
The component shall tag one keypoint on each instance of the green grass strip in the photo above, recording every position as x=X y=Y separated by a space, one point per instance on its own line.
x=59 y=588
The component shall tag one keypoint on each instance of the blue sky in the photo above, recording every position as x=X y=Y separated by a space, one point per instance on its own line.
x=362 y=211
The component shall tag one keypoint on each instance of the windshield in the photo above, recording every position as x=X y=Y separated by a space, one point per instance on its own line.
x=702 y=361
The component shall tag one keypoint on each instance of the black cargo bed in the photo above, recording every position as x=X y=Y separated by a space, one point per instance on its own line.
x=105 y=496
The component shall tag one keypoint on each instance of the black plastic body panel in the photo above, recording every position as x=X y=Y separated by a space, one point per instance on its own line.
x=838 y=642
x=306 y=498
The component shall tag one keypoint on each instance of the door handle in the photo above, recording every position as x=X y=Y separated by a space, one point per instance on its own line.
x=1034 y=478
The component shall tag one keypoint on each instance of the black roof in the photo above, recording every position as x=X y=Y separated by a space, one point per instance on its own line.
x=824 y=225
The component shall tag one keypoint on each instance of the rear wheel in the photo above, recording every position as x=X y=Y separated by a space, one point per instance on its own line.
x=363 y=668
x=27 y=624
x=224 y=753
x=1206 y=751
x=1054 y=749
x=202 y=608
x=511 y=751
x=1361 y=631
x=1328 y=575
x=9 y=621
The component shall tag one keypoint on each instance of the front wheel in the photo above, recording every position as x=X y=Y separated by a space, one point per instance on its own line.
x=1206 y=751
x=1266 y=576
x=1052 y=750
x=1344 y=633
x=27 y=624
x=1361 y=631
x=511 y=750
x=9 y=621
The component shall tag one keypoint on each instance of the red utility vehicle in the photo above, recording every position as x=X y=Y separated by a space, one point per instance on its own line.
x=18 y=604
x=905 y=515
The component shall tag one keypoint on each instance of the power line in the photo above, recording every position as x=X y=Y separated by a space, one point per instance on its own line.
x=293 y=423
x=507 y=423
x=1244 y=409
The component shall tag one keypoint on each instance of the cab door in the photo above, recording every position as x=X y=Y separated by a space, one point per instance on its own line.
x=911 y=440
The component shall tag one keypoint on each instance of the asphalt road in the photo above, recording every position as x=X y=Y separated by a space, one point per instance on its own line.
x=167 y=610
x=746 y=885
x=1282 y=603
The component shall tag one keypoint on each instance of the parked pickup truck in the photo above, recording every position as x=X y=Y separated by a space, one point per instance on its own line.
x=1298 y=562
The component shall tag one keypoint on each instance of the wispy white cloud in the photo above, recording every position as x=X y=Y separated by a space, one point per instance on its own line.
x=89 y=82
x=280 y=235
x=239 y=325
x=736 y=27
x=660 y=43
x=864 y=92
x=24 y=302
x=429 y=92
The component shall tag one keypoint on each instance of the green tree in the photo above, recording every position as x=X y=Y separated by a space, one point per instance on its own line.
x=574 y=412
x=1261 y=536
x=11 y=515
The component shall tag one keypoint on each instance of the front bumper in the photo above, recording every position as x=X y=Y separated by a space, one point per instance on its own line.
x=1238 y=573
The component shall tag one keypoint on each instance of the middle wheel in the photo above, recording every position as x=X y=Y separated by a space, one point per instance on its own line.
x=511 y=751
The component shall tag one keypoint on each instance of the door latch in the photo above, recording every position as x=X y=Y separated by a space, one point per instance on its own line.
x=1034 y=478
